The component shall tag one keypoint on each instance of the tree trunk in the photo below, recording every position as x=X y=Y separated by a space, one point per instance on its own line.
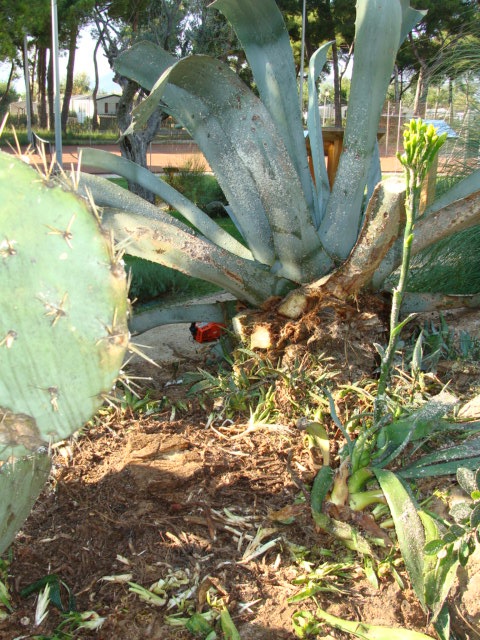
x=42 y=87
x=450 y=100
x=396 y=89
x=336 y=87
x=95 y=120
x=72 y=47
x=4 y=98
x=134 y=146
x=50 y=93
x=420 y=104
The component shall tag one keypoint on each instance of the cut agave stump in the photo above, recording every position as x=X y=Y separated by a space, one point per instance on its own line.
x=63 y=320
x=20 y=484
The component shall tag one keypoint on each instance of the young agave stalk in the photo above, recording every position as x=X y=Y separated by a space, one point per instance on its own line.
x=63 y=326
x=421 y=144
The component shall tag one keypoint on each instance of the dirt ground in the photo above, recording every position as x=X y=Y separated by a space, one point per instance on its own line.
x=163 y=495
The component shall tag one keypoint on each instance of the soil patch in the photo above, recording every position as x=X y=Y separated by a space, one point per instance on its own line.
x=154 y=497
x=167 y=496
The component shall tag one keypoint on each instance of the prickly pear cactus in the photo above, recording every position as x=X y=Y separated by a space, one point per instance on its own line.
x=63 y=311
x=20 y=484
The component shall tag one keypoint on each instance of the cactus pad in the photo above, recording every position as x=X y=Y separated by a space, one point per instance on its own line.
x=20 y=484
x=63 y=320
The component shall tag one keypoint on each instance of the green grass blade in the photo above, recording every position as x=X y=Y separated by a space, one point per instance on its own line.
x=408 y=527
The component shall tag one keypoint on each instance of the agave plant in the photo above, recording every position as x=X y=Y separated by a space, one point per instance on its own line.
x=300 y=237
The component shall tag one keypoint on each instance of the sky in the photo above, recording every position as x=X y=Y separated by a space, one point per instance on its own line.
x=83 y=63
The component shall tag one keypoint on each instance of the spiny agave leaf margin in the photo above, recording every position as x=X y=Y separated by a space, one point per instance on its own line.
x=410 y=18
x=173 y=244
x=183 y=250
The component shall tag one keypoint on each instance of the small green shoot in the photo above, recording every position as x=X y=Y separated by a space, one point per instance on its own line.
x=5 y=598
x=369 y=631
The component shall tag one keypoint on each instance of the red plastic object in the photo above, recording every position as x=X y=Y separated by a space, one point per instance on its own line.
x=207 y=331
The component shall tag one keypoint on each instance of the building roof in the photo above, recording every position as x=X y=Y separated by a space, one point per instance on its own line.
x=110 y=95
x=442 y=127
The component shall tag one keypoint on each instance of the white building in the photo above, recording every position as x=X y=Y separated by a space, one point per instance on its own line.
x=108 y=105
x=82 y=105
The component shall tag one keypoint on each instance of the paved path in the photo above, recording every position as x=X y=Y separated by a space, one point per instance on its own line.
x=179 y=155
x=160 y=156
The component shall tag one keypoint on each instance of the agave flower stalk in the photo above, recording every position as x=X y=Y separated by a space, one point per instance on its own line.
x=421 y=144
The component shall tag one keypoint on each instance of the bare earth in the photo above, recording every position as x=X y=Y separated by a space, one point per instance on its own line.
x=149 y=496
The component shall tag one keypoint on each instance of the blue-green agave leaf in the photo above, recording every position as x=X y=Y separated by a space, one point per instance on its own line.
x=374 y=175
x=261 y=30
x=317 y=62
x=148 y=232
x=410 y=18
x=148 y=318
x=244 y=149
x=178 y=247
x=145 y=178
x=377 y=38
x=144 y=63
x=462 y=189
